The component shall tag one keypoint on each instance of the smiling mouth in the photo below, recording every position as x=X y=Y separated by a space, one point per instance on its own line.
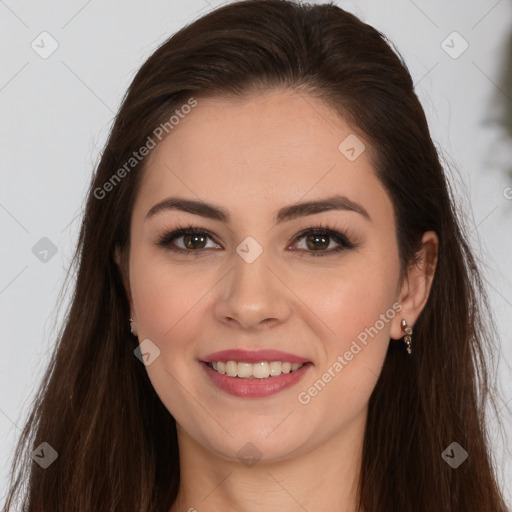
x=261 y=370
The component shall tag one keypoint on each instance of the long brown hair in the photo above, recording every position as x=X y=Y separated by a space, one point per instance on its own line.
x=116 y=442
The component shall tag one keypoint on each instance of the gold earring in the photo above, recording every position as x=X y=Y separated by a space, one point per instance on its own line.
x=408 y=333
x=131 y=326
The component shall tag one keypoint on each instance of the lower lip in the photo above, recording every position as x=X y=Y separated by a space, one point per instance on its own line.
x=255 y=388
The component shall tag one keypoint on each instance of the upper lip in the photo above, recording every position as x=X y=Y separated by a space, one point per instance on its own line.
x=253 y=356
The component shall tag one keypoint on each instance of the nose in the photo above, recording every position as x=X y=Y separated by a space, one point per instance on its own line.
x=253 y=296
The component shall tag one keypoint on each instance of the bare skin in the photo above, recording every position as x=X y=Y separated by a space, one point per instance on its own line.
x=252 y=158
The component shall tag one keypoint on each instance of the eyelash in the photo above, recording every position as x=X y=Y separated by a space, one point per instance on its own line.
x=319 y=229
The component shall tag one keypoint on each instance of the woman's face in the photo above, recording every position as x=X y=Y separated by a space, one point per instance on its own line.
x=251 y=284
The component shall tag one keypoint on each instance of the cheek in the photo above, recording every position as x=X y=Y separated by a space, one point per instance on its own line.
x=170 y=304
x=357 y=308
x=352 y=300
x=358 y=311
x=165 y=295
x=168 y=307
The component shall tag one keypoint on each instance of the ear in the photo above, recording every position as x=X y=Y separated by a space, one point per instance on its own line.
x=416 y=285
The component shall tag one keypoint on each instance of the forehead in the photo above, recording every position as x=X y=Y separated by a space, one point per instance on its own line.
x=261 y=152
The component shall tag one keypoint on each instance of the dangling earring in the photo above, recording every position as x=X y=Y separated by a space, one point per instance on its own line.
x=131 y=326
x=408 y=333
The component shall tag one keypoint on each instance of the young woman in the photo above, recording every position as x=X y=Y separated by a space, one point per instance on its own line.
x=275 y=307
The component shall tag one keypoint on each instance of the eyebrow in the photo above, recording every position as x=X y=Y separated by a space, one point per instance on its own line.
x=286 y=213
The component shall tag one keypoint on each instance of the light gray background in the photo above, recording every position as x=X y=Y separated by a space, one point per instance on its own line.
x=56 y=112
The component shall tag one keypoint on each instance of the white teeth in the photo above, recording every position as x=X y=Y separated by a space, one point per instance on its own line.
x=243 y=370
x=275 y=368
x=261 y=370
x=231 y=369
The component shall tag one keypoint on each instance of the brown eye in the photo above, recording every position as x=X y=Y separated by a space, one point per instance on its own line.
x=318 y=240
x=194 y=241
x=186 y=240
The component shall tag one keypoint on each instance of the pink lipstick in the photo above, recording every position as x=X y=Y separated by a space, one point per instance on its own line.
x=251 y=386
